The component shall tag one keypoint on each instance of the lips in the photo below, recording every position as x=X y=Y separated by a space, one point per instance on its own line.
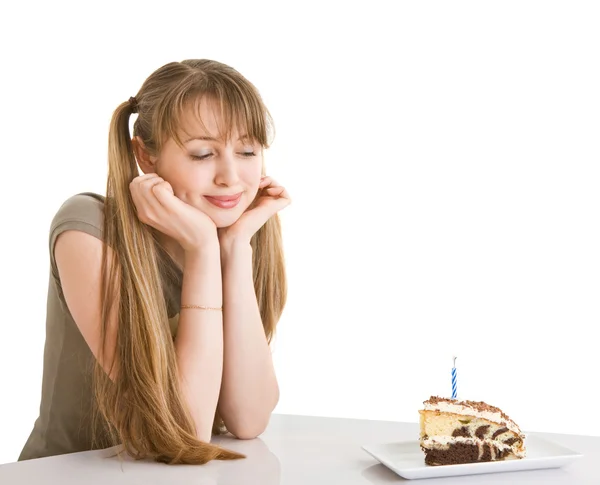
x=224 y=198
x=224 y=201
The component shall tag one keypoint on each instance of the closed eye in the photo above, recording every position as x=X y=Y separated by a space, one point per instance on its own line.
x=204 y=157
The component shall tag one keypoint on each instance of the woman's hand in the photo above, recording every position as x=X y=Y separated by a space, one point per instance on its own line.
x=270 y=199
x=157 y=206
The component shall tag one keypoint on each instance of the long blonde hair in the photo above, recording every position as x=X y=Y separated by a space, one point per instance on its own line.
x=143 y=407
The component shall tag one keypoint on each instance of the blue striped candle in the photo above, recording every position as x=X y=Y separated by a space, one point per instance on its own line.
x=454 y=380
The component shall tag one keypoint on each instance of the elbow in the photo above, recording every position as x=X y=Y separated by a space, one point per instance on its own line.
x=246 y=435
x=247 y=431
x=252 y=424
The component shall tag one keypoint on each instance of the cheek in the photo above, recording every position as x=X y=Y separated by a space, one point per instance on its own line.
x=252 y=183
x=173 y=171
x=190 y=191
x=192 y=179
x=253 y=189
x=251 y=175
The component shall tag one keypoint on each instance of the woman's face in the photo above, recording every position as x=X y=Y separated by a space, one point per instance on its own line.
x=219 y=177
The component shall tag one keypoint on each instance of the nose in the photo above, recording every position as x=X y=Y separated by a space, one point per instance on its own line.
x=226 y=171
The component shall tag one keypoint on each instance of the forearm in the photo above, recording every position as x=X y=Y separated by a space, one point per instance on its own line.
x=199 y=340
x=249 y=390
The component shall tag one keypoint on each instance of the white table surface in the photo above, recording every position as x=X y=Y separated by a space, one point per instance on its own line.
x=293 y=450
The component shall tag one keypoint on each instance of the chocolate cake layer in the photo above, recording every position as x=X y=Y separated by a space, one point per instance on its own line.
x=454 y=454
x=458 y=453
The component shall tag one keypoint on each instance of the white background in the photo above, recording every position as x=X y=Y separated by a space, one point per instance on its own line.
x=443 y=163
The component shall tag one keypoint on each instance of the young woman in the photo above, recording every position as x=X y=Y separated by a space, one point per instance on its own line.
x=165 y=294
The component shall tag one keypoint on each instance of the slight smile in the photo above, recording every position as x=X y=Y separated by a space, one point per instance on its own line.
x=224 y=201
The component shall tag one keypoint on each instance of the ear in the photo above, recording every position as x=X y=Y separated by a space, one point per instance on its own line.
x=146 y=161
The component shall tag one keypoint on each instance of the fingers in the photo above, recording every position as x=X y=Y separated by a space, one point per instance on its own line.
x=144 y=185
x=276 y=191
x=164 y=194
x=274 y=198
x=273 y=189
x=138 y=184
x=146 y=176
x=148 y=192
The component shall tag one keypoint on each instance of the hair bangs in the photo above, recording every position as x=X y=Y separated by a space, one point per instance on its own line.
x=235 y=107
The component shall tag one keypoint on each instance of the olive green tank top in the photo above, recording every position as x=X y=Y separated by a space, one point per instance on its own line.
x=65 y=421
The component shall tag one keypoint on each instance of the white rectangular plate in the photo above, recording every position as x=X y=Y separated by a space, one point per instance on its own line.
x=408 y=460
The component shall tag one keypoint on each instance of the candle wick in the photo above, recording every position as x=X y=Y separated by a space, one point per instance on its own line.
x=454 y=361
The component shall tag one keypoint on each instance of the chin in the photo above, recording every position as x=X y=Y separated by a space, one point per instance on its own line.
x=224 y=220
x=223 y=224
x=224 y=217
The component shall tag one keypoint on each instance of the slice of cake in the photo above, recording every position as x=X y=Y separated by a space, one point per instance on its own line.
x=454 y=432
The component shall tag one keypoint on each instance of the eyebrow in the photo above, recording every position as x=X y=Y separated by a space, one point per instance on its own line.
x=210 y=138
